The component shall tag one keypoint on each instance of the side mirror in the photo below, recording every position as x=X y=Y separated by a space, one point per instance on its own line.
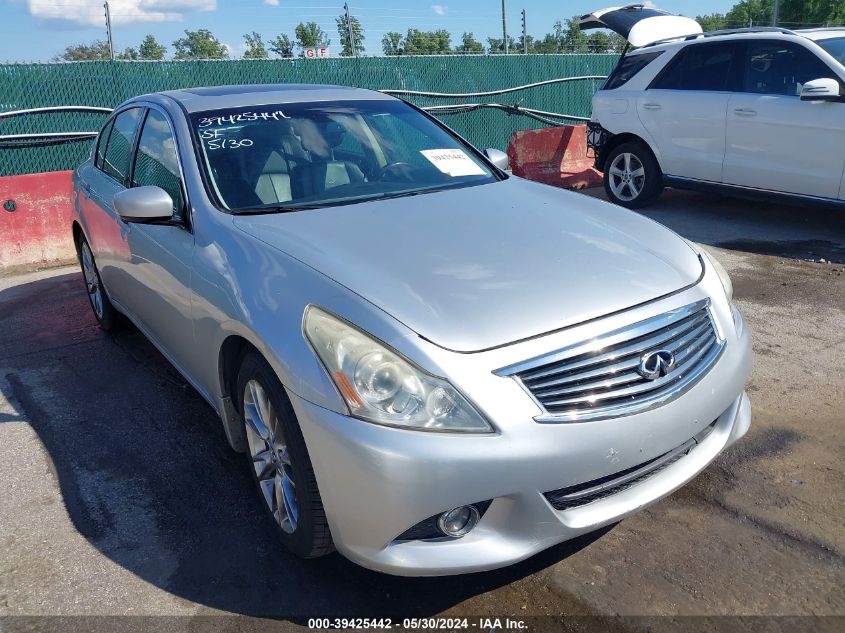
x=821 y=90
x=144 y=204
x=498 y=158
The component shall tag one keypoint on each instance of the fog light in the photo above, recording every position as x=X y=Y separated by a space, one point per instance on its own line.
x=459 y=521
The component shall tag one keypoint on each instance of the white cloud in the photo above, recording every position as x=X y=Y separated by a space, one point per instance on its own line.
x=439 y=9
x=90 y=13
x=271 y=3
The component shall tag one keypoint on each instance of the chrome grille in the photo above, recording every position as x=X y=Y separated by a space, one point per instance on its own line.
x=601 y=378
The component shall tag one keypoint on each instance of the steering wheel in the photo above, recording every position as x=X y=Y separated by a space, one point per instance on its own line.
x=400 y=170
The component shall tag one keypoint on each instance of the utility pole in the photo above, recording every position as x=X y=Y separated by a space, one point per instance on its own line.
x=775 y=14
x=349 y=32
x=108 y=30
x=524 y=35
x=504 y=28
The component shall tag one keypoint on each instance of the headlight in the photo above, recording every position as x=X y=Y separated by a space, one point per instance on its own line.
x=720 y=270
x=380 y=386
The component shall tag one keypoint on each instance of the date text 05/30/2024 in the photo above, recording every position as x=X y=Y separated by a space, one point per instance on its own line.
x=433 y=624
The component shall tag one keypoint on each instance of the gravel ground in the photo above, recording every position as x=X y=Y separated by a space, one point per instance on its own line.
x=120 y=496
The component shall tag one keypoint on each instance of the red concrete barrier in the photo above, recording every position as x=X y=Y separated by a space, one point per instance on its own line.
x=35 y=221
x=555 y=156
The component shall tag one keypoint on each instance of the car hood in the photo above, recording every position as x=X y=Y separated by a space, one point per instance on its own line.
x=483 y=266
x=639 y=24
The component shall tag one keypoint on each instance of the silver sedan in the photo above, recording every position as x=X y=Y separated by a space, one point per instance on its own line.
x=430 y=365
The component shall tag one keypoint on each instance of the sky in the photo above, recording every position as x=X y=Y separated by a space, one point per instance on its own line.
x=36 y=30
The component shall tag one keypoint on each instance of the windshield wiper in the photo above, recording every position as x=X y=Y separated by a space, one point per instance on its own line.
x=274 y=208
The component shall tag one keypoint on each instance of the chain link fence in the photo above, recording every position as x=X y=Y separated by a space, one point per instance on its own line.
x=107 y=84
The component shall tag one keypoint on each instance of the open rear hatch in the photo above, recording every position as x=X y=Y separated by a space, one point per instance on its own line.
x=639 y=24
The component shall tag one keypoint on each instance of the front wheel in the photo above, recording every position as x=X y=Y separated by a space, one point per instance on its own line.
x=632 y=177
x=279 y=460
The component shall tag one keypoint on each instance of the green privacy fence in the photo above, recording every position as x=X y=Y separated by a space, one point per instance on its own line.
x=106 y=84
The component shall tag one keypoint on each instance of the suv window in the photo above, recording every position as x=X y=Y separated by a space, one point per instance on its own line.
x=835 y=46
x=119 y=148
x=629 y=66
x=102 y=140
x=780 y=68
x=157 y=162
x=698 y=67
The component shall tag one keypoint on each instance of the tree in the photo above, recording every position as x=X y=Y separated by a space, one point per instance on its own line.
x=357 y=35
x=711 y=22
x=391 y=43
x=427 y=42
x=255 y=48
x=617 y=43
x=751 y=12
x=151 y=49
x=599 y=42
x=549 y=44
x=310 y=35
x=791 y=14
x=469 y=44
x=96 y=50
x=199 y=44
x=128 y=53
x=282 y=46
x=494 y=45
x=574 y=40
x=554 y=42
x=526 y=44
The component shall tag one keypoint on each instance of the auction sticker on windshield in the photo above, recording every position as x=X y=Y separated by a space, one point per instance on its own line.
x=453 y=162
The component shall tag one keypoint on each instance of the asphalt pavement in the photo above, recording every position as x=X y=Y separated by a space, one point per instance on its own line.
x=119 y=494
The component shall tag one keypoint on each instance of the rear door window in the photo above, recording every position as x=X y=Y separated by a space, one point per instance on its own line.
x=119 y=148
x=629 y=66
x=780 y=68
x=699 y=67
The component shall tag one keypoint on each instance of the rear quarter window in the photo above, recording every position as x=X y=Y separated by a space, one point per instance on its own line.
x=705 y=67
x=627 y=67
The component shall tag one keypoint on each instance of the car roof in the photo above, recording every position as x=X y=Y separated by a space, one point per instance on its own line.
x=221 y=97
x=736 y=34
x=822 y=33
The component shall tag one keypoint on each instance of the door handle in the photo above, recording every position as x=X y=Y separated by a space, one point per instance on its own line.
x=745 y=111
x=651 y=106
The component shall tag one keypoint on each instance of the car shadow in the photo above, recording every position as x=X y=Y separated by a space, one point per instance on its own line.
x=148 y=478
x=790 y=231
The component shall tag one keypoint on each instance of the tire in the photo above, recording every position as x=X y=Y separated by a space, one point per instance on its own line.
x=283 y=474
x=107 y=317
x=632 y=177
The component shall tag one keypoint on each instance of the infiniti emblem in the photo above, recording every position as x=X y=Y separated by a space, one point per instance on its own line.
x=653 y=365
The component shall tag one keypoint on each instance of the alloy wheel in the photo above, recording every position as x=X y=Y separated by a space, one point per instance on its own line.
x=92 y=280
x=626 y=176
x=270 y=456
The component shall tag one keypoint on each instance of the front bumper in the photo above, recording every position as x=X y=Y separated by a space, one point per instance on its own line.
x=376 y=482
x=373 y=490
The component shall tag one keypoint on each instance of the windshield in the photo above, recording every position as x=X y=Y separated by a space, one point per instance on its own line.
x=835 y=46
x=305 y=155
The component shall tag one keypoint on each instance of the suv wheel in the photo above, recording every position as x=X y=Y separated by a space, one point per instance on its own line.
x=632 y=177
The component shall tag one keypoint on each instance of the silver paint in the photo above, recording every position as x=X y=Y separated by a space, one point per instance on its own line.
x=462 y=282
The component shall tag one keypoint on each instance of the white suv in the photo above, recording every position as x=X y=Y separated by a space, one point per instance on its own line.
x=749 y=111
